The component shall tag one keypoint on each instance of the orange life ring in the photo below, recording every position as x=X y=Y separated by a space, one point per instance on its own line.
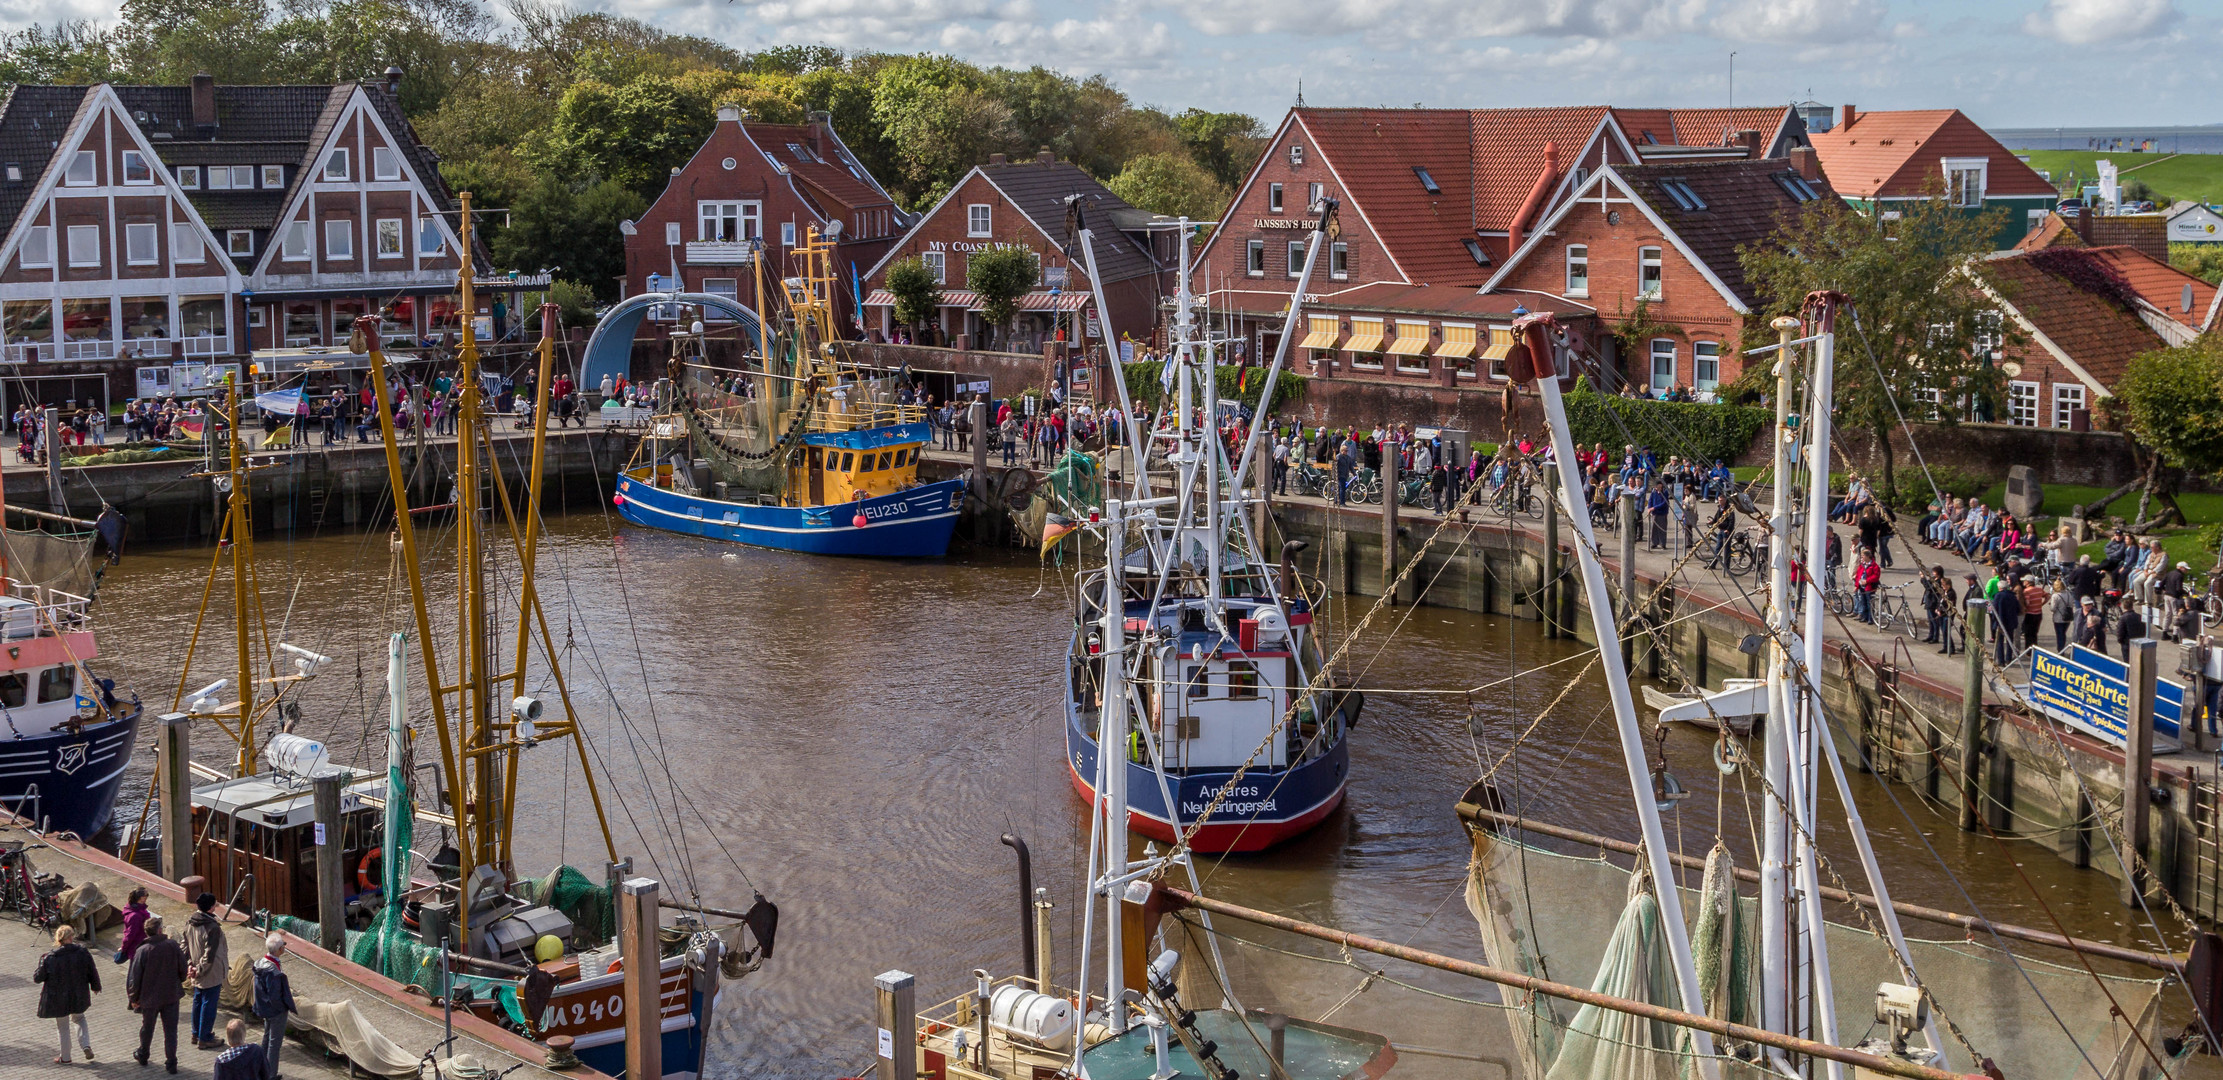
x=367 y=876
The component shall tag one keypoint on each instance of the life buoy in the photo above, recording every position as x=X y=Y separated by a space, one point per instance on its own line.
x=367 y=876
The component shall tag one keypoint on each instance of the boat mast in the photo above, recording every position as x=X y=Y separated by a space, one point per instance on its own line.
x=1777 y=922
x=1111 y=758
x=1536 y=332
x=237 y=523
x=490 y=758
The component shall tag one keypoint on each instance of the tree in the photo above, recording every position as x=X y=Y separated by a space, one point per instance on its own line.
x=634 y=134
x=570 y=229
x=70 y=52
x=1915 y=313
x=917 y=294
x=1000 y=276
x=1226 y=144
x=939 y=122
x=1171 y=185
x=2171 y=402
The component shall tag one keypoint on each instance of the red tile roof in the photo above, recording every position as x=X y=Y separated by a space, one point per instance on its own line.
x=2092 y=329
x=1509 y=153
x=1745 y=202
x=829 y=176
x=2054 y=231
x=1374 y=152
x=2161 y=284
x=1698 y=127
x=1896 y=154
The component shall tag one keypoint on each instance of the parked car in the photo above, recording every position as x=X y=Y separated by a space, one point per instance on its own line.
x=2069 y=206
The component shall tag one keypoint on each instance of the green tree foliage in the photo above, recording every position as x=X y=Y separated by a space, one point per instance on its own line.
x=939 y=120
x=576 y=301
x=2172 y=402
x=1172 y=185
x=917 y=294
x=1225 y=144
x=1000 y=276
x=67 y=52
x=2203 y=261
x=571 y=229
x=1916 y=312
x=1143 y=382
x=1701 y=431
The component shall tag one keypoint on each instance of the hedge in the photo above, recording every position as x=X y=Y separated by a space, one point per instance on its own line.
x=1671 y=428
x=1143 y=376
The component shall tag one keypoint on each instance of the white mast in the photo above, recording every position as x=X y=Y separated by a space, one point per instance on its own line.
x=1776 y=929
x=1537 y=330
x=1111 y=757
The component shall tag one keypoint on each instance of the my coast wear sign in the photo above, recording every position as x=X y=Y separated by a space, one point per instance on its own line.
x=2090 y=691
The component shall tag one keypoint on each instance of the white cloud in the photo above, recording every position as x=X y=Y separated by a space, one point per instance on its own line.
x=2083 y=22
x=1799 y=21
x=1435 y=19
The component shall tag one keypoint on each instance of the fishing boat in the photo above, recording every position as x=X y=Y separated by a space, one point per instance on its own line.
x=804 y=451
x=1233 y=748
x=530 y=952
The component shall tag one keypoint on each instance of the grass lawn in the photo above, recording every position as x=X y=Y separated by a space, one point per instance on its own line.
x=2198 y=177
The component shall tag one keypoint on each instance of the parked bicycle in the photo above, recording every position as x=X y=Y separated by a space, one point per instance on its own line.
x=1737 y=555
x=21 y=891
x=1892 y=609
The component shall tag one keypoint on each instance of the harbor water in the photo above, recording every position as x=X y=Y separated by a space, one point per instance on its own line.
x=851 y=739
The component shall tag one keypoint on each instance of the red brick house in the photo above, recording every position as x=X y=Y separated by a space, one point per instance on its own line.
x=1657 y=246
x=1439 y=196
x=758 y=187
x=2083 y=314
x=1875 y=159
x=1024 y=204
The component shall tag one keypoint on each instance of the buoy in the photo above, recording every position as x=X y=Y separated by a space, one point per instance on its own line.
x=549 y=947
x=617 y=500
x=860 y=521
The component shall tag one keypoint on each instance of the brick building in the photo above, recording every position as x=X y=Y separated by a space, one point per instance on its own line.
x=1439 y=196
x=1025 y=204
x=152 y=231
x=1654 y=249
x=755 y=187
x=1875 y=159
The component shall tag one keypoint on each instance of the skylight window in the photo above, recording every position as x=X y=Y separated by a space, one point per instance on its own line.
x=1796 y=187
x=1474 y=248
x=1685 y=199
x=1426 y=181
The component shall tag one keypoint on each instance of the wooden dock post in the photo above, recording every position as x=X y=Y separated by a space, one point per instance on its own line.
x=1630 y=526
x=1390 y=588
x=979 y=419
x=895 y=1016
x=173 y=780
x=1972 y=716
x=331 y=905
x=2138 y=768
x=52 y=419
x=1551 y=561
x=644 y=977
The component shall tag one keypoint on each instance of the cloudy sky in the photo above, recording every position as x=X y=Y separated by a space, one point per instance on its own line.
x=2008 y=63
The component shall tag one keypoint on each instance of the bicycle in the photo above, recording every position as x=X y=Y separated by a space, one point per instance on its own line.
x=21 y=891
x=1893 y=610
x=1734 y=554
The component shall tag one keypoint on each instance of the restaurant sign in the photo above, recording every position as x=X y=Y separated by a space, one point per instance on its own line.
x=2090 y=691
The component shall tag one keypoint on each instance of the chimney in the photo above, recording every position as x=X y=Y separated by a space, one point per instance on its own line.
x=997 y=159
x=1847 y=116
x=1534 y=204
x=2084 y=225
x=821 y=131
x=1803 y=159
x=730 y=114
x=204 y=102
x=1045 y=157
x=1750 y=140
x=393 y=79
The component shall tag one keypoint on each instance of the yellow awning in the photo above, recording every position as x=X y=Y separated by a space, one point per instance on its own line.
x=1324 y=329
x=1366 y=336
x=1501 y=343
x=1412 y=340
x=1458 y=342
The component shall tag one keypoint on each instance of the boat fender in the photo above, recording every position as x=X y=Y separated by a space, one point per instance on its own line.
x=860 y=520
x=367 y=876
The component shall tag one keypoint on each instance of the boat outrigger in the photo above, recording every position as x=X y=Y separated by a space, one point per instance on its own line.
x=804 y=452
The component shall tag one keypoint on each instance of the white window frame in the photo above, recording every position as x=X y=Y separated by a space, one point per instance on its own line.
x=1651 y=273
x=84 y=170
x=787 y=234
x=1410 y=365
x=1702 y=359
x=672 y=237
x=339 y=239
x=711 y=216
x=239 y=242
x=2067 y=398
x=391 y=229
x=1314 y=192
x=185 y=245
x=1273 y=198
x=146 y=166
x=1254 y=258
x=1951 y=167
x=938 y=263
x=220 y=177
x=1296 y=258
x=1578 y=270
x=189 y=177
x=273 y=176
x=142 y=243
x=2022 y=403
x=90 y=236
x=336 y=168
x=37 y=252
x=385 y=163
x=1366 y=361
x=1652 y=367
x=1339 y=261
x=293 y=245
x=430 y=240
x=980 y=219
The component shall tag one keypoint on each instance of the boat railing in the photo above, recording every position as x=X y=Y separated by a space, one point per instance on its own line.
x=858 y=415
x=57 y=612
x=938 y=1024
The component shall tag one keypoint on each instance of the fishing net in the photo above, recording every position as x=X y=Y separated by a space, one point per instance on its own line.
x=62 y=561
x=593 y=917
x=1073 y=485
x=1538 y=914
x=742 y=430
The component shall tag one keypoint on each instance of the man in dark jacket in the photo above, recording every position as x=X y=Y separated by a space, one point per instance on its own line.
x=273 y=999
x=153 y=987
x=67 y=979
x=2006 y=619
x=208 y=960
x=2129 y=629
x=240 y=1059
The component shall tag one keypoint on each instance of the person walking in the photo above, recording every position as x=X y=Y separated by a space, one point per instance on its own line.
x=1655 y=505
x=2006 y=618
x=1346 y=462
x=2090 y=627
x=2062 y=606
x=2130 y=628
x=207 y=960
x=240 y=1059
x=2034 y=607
x=273 y=999
x=153 y=987
x=67 y=979
x=1938 y=602
x=135 y=916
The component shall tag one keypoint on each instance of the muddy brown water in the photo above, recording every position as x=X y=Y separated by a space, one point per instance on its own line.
x=851 y=739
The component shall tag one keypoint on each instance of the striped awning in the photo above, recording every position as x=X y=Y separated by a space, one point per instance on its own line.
x=1366 y=336
x=879 y=298
x=1458 y=342
x=1411 y=340
x=1043 y=301
x=1501 y=343
x=1321 y=332
x=884 y=298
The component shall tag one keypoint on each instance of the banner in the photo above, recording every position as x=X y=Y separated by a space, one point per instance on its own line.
x=279 y=402
x=2090 y=691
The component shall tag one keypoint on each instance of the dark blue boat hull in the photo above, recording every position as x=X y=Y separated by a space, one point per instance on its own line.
x=915 y=523
x=65 y=781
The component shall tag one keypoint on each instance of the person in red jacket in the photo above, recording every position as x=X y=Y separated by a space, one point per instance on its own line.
x=1867 y=577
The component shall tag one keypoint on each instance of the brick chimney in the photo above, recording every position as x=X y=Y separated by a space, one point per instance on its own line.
x=1045 y=157
x=393 y=79
x=821 y=133
x=1847 y=116
x=1750 y=140
x=2084 y=225
x=997 y=159
x=204 y=102
x=1808 y=166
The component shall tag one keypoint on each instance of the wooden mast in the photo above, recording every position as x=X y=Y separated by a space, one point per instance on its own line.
x=243 y=553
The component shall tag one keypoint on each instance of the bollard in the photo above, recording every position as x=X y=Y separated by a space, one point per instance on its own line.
x=895 y=1017
x=644 y=978
x=174 y=781
x=331 y=906
x=2138 y=768
x=1972 y=715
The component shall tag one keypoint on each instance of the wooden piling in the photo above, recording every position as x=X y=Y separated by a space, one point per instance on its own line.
x=2138 y=768
x=644 y=977
x=1972 y=716
x=331 y=904
x=895 y=1015
x=173 y=780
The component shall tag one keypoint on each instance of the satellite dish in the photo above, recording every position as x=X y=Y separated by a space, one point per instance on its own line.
x=832 y=231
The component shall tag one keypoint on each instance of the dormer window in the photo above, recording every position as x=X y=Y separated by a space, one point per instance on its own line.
x=1427 y=182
